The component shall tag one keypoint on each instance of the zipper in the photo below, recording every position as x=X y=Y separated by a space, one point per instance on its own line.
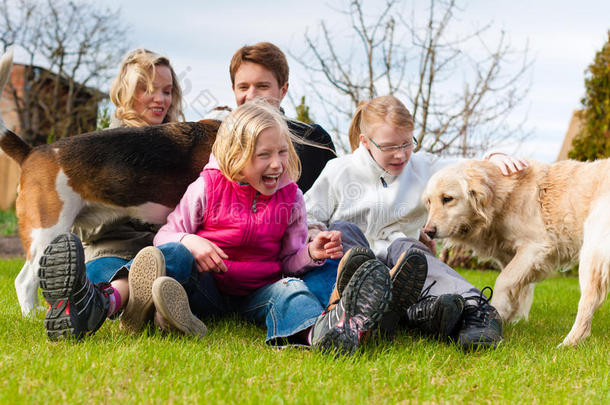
x=254 y=202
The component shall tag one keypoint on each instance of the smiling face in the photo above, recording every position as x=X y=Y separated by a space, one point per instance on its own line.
x=253 y=80
x=152 y=107
x=385 y=136
x=269 y=161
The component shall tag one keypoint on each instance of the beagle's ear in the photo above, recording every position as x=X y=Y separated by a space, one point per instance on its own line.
x=478 y=190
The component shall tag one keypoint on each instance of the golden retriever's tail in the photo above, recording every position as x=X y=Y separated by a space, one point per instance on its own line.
x=10 y=143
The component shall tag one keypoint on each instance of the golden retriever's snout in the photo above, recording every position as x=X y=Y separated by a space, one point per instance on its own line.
x=430 y=230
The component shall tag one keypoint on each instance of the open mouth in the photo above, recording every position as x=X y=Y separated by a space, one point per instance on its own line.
x=271 y=180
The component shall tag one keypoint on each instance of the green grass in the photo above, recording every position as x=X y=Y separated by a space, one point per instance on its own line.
x=8 y=223
x=233 y=365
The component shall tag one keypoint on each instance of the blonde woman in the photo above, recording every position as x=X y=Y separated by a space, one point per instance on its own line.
x=145 y=92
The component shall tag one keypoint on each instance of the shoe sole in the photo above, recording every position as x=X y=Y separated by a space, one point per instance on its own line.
x=408 y=278
x=345 y=270
x=147 y=266
x=366 y=298
x=57 y=273
x=171 y=301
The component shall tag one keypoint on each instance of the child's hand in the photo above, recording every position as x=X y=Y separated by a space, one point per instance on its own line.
x=326 y=245
x=507 y=164
x=425 y=239
x=208 y=256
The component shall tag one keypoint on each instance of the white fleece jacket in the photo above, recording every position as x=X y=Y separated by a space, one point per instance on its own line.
x=350 y=188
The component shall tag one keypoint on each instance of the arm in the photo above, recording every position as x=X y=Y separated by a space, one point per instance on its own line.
x=320 y=203
x=296 y=254
x=183 y=224
x=187 y=217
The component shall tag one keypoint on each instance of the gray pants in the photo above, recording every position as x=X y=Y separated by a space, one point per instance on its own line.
x=445 y=279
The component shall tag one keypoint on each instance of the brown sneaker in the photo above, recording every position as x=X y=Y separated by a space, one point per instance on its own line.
x=350 y=262
x=173 y=308
x=147 y=266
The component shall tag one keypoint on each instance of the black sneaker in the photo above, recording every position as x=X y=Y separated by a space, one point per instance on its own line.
x=76 y=306
x=408 y=277
x=481 y=324
x=364 y=301
x=436 y=315
x=350 y=262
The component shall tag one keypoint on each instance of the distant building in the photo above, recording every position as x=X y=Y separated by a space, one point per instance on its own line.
x=39 y=126
x=575 y=127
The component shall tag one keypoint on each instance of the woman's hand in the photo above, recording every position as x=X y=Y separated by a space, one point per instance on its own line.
x=508 y=164
x=326 y=245
x=208 y=256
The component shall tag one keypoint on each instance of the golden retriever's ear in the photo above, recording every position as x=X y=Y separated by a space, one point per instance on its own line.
x=478 y=190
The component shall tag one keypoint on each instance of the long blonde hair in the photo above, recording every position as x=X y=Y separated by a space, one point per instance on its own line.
x=138 y=67
x=237 y=135
x=384 y=109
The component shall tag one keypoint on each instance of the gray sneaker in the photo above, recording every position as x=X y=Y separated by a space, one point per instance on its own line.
x=361 y=306
x=147 y=266
x=173 y=310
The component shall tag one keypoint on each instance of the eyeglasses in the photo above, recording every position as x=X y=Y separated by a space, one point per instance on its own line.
x=392 y=148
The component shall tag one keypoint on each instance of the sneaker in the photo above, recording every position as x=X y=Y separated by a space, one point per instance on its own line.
x=76 y=306
x=350 y=262
x=436 y=315
x=173 y=310
x=362 y=305
x=147 y=266
x=408 y=276
x=481 y=324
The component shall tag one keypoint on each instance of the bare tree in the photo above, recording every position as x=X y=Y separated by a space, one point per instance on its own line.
x=459 y=87
x=72 y=47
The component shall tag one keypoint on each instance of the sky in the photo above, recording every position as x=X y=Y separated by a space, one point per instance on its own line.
x=200 y=37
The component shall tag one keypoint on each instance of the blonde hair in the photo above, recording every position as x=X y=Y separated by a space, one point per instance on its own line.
x=138 y=68
x=384 y=109
x=237 y=135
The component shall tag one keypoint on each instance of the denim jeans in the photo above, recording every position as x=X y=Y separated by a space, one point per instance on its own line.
x=110 y=268
x=285 y=307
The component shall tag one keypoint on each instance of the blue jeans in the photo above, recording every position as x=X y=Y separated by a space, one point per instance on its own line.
x=177 y=265
x=285 y=307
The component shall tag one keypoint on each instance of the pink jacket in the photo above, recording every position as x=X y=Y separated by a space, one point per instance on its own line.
x=261 y=245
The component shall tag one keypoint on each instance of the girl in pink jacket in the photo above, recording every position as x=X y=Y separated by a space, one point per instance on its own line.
x=238 y=239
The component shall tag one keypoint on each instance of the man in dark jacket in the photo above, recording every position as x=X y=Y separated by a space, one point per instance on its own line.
x=261 y=70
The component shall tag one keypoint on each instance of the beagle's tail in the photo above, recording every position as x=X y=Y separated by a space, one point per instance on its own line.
x=10 y=143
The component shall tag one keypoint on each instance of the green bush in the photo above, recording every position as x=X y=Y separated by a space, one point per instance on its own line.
x=594 y=140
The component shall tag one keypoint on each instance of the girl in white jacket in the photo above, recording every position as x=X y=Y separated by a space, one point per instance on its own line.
x=373 y=197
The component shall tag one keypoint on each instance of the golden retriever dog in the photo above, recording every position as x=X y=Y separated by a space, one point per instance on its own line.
x=547 y=217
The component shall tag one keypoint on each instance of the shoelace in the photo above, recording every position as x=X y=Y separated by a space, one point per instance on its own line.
x=478 y=314
x=425 y=293
x=422 y=312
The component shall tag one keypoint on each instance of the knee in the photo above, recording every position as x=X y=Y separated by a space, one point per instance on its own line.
x=178 y=261
x=342 y=225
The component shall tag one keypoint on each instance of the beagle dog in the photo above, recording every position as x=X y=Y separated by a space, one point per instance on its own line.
x=84 y=179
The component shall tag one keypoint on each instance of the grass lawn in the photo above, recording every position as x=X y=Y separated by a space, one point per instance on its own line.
x=8 y=222
x=233 y=365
